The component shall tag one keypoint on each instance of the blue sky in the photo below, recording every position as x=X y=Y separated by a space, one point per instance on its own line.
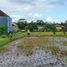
x=47 y=10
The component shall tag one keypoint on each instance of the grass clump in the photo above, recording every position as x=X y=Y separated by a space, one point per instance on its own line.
x=3 y=49
x=64 y=43
x=26 y=48
x=54 y=49
x=29 y=52
x=42 y=42
x=20 y=46
x=64 y=52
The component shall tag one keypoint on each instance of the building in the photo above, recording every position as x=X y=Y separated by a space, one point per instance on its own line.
x=59 y=26
x=6 y=21
x=15 y=27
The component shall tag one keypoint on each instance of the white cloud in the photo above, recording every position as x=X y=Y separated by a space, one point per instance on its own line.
x=26 y=6
x=35 y=15
x=49 y=19
x=29 y=17
x=15 y=18
x=13 y=9
x=44 y=5
x=7 y=5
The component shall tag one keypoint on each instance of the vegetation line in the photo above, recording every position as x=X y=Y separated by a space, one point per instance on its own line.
x=5 y=40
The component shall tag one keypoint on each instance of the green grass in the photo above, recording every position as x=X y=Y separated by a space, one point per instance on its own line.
x=48 y=34
x=18 y=35
x=6 y=40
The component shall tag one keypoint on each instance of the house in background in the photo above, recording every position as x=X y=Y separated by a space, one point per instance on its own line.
x=6 y=21
x=59 y=26
x=15 y=27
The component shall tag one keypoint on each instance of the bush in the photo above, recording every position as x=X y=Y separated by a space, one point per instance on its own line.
x=2 y=29
x=3 y=36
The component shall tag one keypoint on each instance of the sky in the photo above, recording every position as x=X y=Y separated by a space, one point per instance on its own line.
x=47 y=10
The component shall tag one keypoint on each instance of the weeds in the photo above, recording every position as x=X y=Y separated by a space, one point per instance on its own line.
x=28 y=45
x=3 y=49
x=54 y=49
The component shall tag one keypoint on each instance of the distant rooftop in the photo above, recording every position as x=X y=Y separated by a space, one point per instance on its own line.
x=2 y=13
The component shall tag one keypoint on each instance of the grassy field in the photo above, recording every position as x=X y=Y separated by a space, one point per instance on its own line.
x=6 y=40
x=36 y=39
x=48 y=34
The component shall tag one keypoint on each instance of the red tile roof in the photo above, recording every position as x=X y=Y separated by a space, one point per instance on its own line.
x=2 y=13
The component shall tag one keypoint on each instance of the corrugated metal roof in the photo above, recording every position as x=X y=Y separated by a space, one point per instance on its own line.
x=2 y=13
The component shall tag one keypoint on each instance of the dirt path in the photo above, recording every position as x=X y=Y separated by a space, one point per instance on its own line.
x=13 y=46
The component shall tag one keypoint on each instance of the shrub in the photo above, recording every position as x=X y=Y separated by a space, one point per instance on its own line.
x=2 y=29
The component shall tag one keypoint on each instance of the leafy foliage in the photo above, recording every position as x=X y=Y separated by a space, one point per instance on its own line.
x=2 y=29
x=32 y=26
x=22 y=24
x=42 y=26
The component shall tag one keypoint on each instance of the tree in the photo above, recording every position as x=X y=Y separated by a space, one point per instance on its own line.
x=49 y=27
x=63 y=29
x=22 y=23
x=53 y=28
x=65 y=26
x=40 y=22
x=32 y=26
x=2 y=29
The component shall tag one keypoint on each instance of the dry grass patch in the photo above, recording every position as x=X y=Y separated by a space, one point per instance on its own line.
x=64 y=43
x=33 y=42
x=3 y=49
x=29 y=43
x=64 y=52
x=54 y=49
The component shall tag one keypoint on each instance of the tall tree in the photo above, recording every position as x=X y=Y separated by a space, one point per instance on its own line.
x=22 y=23
x=65 y=25
x=49 y=27
x=40 y=22
x=53 y=28
x=32 y=26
